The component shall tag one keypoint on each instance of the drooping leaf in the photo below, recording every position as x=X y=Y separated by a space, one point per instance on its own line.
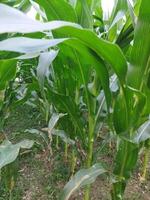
x=82 y=178
x=66 y=104
x=93 y=60
x=54 y=120
x=142 y=134
x=101 y=47
x=45 y=61
x=9 y=151
x=63 y=136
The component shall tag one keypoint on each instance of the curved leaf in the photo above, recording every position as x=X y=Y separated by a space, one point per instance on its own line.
x=143 y=133
x=82 y=178
x=9 y=151
x=56 y=10
x=106 y=50
x=13 y=20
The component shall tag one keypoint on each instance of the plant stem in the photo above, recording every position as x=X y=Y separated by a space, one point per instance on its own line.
x=57 y=142
x=10 y=195
x=145 y=165
x=66 y=152
x=90 y=154
x=73 y=163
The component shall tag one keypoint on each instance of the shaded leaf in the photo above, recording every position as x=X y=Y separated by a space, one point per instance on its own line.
x=63 y=136
x=9 y=151
x=7 y=72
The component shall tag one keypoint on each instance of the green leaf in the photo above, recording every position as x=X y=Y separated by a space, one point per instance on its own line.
x=99 y=46
x=7 y=72
x=120 y=7
x=66 y=104
x=87 y=56
x=82 y=178
x=9 y=151
x=105 y=50
x=120 y=114
x=56 y=10
x=140 y=55
x=130 y=104
x=84 y=14
x=125 y=161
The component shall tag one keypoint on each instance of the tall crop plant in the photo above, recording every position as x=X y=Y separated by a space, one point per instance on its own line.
x=133 y=103
x=73 y=71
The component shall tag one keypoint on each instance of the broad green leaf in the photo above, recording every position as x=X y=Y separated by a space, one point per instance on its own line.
x=135 y=98
x=9 y=151
x=28 y=45
x=13 y=20
x=120 y=114
x=140 y=55
x=7 y=72
x=84 y=14
x=58 y=10
x=94 y=5
x=82 y=178
x=94 y=61
x=102 y=48
x=125 y=161
x=130 y=104
x=66 y=104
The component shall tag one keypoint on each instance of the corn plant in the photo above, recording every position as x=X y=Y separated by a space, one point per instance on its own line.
x=81 y=57
x=134 y=100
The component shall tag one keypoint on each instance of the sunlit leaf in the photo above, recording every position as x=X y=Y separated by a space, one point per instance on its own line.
x=82 y=178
